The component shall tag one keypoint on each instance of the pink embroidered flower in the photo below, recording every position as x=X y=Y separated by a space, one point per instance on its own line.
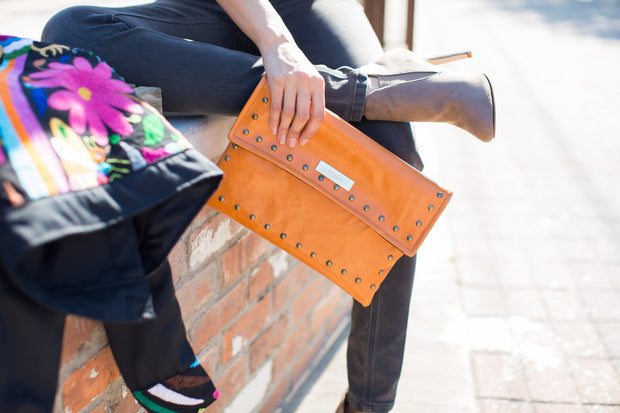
x=93 y=98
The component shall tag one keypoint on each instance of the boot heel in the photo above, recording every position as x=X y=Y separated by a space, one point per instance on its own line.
x=439 y=60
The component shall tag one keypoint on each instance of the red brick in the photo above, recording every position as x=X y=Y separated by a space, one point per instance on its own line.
x=209 y=238
x=77 y=331
x=232 y=380
x=226 y=309
x=276 y=397
x=328 y=310
x=309 y=297
x=209 y=359
x=178 y=260
x=264 y=345
x=126 y=402
x=243 y=254
x=197 y=290
x=307 y=355
x=99 y=409
x=289 y=286
x=260 y=280
x=291 y=347
x=88 y=381
x=245 y=329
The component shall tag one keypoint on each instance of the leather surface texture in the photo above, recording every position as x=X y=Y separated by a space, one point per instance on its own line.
x=342 y=204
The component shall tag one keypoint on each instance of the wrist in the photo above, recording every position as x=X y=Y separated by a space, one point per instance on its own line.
x=270 y=41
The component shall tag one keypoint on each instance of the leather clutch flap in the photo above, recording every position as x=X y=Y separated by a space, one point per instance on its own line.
x=342 y=204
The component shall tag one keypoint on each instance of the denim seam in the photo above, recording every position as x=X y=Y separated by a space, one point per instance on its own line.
x=359 y=97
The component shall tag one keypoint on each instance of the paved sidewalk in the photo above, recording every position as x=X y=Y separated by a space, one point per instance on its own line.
x=516 y=306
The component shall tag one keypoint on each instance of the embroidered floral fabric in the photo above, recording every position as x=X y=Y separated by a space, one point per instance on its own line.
x=88 y=174
x=70 y=123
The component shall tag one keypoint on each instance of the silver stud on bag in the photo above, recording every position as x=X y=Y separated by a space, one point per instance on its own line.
x=329 y=263
x=259 y=139
x=246 y=132
x=265 y=99
x=390 y=257
x=343 y=272
x=366 y=208
x=351 y=198
x=439 y=194
x=313 y=254
x=252 y=217
x=283 y=236
x=299 y=245
x=274 y=148
x=418 y=223
x=237 y=207
x=381 y=218
x=289 y=157
x=227 y=158
x=254 y=116
x=358 y=281
x=220 y=198
x=267 y=226
x=431 y=207
x=409 y=238
x=395 y=228
x=235 y=146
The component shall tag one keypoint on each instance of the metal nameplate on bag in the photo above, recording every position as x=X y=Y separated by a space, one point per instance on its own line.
x=335 y=175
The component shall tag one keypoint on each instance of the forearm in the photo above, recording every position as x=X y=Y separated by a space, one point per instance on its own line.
x=259 y=21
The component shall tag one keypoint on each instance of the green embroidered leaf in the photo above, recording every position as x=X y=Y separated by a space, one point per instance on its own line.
x=154 y=130
x=114 y=138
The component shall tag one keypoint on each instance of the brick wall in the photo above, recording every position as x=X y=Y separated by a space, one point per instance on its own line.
x=255 y=316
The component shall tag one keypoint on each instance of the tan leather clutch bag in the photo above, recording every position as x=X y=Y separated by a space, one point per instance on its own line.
x=341 y=204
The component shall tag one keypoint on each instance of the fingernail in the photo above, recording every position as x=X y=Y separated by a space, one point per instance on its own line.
x=282 y=139
x=291 y=143
x=274 y=131
x=304 y=141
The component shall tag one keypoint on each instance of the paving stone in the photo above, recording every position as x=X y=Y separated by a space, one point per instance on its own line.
x=564 y=306
x=483 y=301
x=581 y=340
x=525 y=303
x=597 y=381
x=550 y=382
x=557 y=408
x=499 y=376
x=592 y=276
x=610 y=335
x=515 y=273
x=504 y=406
x=602 y=409
x=491 y=334
x=553 y=276
x=602 y=306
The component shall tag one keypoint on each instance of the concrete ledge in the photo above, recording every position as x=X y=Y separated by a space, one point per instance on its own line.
x=208 y=133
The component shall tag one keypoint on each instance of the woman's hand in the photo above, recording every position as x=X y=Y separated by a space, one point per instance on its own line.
x=297 y=89
x=297 y=94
